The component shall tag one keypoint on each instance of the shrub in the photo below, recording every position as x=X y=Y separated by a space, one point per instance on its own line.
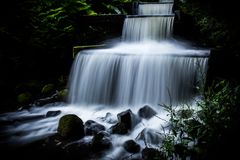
x=213 y=121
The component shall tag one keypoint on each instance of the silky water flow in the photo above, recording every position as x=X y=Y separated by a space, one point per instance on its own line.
x=148 y=67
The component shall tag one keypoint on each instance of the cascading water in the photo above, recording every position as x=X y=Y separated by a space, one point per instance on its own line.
x=143 y=28
x=145 y=68
x=153 y=22
x=117 y=77
x=150 y=9
x=142 y=71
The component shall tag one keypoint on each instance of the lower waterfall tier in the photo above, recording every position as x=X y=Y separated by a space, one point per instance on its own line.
x=117 y=77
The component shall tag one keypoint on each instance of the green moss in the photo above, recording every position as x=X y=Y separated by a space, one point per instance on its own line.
x=24 y=98
x=48 y=89
x=62 y=95
x=70 y=127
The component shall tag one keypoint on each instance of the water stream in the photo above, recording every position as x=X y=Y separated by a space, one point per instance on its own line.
x=146 y=68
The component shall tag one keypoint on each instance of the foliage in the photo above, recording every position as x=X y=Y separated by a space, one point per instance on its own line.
x=47 y=89
x=46 y=24
x=109 y=7
x=197 y=131
x=53 y=21
x=55 y=24
x=213 y=28
x=37 y=38
x=62 y=94
x=24 y=98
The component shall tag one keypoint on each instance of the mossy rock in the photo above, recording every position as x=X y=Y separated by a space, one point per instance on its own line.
x=62 y=94
x=24 y=98
x=70 y=127
x=48 y=89
x=146 y=112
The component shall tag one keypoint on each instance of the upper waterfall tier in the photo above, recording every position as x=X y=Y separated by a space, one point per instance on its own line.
x=154 y=8
x=161 y=1
x=153 y=22
x=143 y=28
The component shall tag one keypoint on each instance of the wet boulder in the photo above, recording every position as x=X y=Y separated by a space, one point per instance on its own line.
x=101 y=141
x=55 y=97
x=119 y=128
x=126 y=121
x=80 y=148
x=70 y=127
x=146 y=112
x=53 y=113
x=91 y=127
x=131 y=146
x=46 y=100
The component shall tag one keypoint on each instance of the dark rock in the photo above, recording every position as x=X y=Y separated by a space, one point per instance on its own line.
x=53 y=113
x=151 y=154
x=119 y=128
x=78 y=149
x=146 y=112
x=101 y=141
x=131 y=146
x=91 y=127
x=125 y=117
x=71 y=127
x=54 y=141
x=44 y=101
x=56 y=97
x=126 y=121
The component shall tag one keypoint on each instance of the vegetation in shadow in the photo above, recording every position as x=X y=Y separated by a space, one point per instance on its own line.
x=209 y=130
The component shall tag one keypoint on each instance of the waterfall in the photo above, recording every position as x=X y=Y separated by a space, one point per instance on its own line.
x=147 y=28
x=151 y=9
x=153 y=22
x=162 y=1
x=143 y=69
x=134 y=80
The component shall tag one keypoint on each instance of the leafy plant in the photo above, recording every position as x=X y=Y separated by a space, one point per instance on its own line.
x=195 y=130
